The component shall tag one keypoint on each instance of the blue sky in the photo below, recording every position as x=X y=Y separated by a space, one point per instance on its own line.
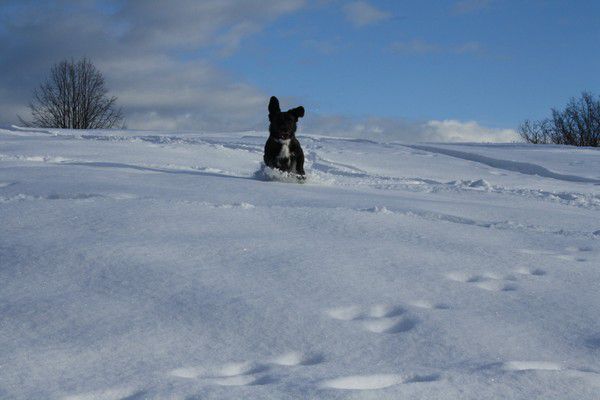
x=428 y=70
x=497 y=63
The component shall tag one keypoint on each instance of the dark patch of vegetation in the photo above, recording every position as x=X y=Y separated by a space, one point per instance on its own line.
x=74 y=97
x=578 y=124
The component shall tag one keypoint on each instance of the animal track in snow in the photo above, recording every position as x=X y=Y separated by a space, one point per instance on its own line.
x=575 y=253
x=231 y=374
x=351 y=313
x=496 y=286
x=247 y=372
x=379 y=318
x=429 y=306
x=530 y=365
x=391 y=325
x=245 y=380
x=363 y=382
x=488 y=281
x=296 y=358
x=345 y=313
x=241 y=368
x=589 y=376
x=109 y=394
x=187 y=372
x=569 y=257
x=227 y=370
x=571 y=253
x=371 y=382
x=530 y=271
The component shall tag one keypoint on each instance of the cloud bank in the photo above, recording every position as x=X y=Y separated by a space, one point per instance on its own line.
x=392 y=129
x=146 y=50
x=154 y=57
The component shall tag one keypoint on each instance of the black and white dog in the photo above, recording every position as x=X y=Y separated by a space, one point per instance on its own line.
x=282 y=150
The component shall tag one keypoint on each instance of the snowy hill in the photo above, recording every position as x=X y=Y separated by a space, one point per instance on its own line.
x=145 y=265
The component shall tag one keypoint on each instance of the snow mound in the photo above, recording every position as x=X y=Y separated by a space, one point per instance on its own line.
x=480 y=184
x=265 y=173
x=270 y=174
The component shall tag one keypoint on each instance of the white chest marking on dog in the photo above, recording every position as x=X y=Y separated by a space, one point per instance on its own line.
x=285 y=149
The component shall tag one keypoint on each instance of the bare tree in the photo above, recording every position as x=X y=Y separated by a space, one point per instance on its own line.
x=74 y=97
x=536 y=132
x=577 y=125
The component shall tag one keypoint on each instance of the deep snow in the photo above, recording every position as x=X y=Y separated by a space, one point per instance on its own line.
x=145 y=265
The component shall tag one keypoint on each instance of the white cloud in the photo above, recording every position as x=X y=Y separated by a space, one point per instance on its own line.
x=192 y=23
x=361 y=13
x=186 y=95
x=457 y=131
x=138 y=47
x=393 y=129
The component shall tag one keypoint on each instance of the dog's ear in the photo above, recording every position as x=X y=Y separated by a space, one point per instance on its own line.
x=297 y=112
x=274 y=106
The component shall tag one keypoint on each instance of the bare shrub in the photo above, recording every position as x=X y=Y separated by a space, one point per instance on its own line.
x=74 y=97
x=577 y=125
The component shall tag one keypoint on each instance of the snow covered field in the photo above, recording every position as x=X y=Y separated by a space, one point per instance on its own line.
x=145 y=265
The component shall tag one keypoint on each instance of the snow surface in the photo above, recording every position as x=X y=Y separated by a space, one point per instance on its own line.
x=149 y=265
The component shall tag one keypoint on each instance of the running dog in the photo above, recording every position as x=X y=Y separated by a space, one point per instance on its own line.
x=282 y=150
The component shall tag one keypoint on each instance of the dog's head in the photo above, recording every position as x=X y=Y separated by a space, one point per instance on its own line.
x=283 y=124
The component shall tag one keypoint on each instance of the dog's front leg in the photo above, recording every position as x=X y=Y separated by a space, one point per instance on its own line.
x=300 y=162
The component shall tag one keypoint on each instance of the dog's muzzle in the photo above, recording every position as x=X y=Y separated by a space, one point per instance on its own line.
x=284 y=136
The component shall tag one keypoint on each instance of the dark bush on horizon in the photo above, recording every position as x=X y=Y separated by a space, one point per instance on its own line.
x=577 y=125
x=74 y=96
